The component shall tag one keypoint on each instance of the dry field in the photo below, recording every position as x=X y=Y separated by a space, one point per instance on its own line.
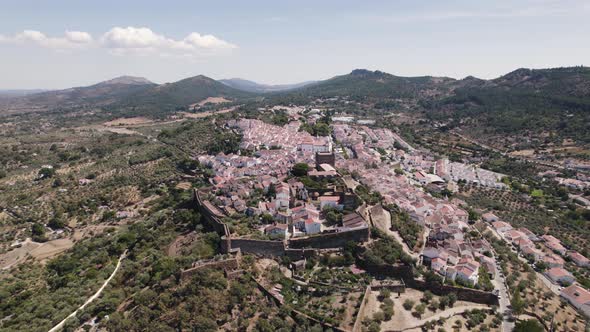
x=403 y=319
x=123 y=122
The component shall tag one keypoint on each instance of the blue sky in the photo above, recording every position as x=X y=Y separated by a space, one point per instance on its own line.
x=58 y=44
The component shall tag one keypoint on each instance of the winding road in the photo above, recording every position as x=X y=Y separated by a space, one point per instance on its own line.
x=93 y=297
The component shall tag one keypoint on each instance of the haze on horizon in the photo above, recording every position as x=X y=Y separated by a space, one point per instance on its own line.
x=61 y=44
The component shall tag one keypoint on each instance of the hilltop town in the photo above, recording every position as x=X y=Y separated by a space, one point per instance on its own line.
x=327 y=213
x=318 y=195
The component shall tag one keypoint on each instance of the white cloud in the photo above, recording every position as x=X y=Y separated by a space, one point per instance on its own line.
x=145 y=41
x=78 y=37
x=129 y=40
x=71 y=39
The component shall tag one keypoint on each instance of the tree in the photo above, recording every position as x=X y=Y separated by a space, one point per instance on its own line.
x=37 y=229
x=267 y=218
x=300 y=169
x=419 y=310
x=408 y=304
x=531 y=325
x=452 y=299
x=56 y=223
x=427 y=296
x=517 y=303
x=384 y=293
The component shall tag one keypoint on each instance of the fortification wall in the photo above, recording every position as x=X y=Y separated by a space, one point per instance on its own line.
x=210 y=218
x=463 y=294
x=361 y=313
x=330 y=240
x=258 y=247
x=226 y=264
x=405 y=273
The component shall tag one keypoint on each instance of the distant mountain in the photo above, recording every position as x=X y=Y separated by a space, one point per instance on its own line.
x=250 y=86
x=19 y=92
x=128 y=92
x=102 y=93
x=128 y=80
x=526 y=100
x=182 y=93
x=362 y=84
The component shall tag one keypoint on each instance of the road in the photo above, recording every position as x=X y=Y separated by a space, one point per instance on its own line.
x=93 y=297
x=499 y=283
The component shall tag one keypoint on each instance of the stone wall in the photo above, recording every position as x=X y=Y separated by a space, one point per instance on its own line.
x=258 y=247
x=330 y=240
x=230 y=264
x=463 y=294
x=405 y=273
x=209 y=217
x=400 y=272
x=359 y=316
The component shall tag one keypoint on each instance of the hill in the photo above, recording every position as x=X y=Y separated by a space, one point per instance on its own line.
x=374 y=86
x=250 y=86
x=11 y=93
x=181 y=94
x=554 y=102
x=99 y=94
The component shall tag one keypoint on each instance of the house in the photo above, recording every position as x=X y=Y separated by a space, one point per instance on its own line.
x=428 y=254
x=282 y=196
x=276 y=230
x=467 y=270
x=461 y=215
x=501 y=226
x=451 y=273
x=532 y=236
x=552 y=260
x=439 y=265
x=560 y=276
x=467 y=274
x=330 y=201
x=554 y=244
x=578 y=259
x=578 y=297
x=532 y=252
x=312 y=226
x=490 y=217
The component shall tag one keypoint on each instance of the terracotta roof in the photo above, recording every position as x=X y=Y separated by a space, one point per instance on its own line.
x=577 y=294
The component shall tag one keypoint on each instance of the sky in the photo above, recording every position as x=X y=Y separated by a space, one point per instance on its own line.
x=60 y=44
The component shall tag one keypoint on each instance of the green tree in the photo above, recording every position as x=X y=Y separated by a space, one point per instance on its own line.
x=300 y=169
x=518 y=303
x=408 y=304
x=530 y=325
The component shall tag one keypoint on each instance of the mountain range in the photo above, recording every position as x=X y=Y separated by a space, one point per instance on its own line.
x=551 y=99
x=250 y=86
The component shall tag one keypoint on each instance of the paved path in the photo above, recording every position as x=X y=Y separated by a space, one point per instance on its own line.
x=500 y=285
x=93 y=297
